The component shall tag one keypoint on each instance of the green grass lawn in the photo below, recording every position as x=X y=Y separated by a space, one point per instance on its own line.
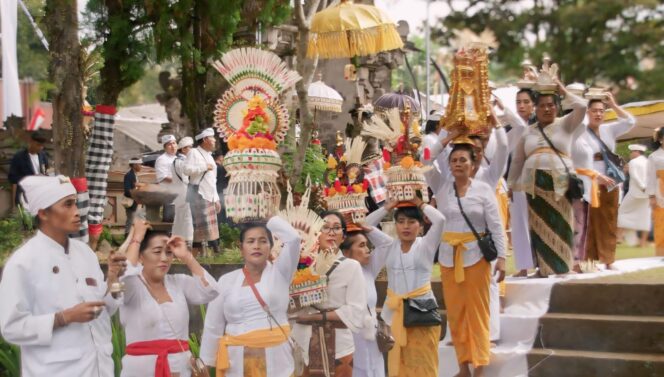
x=622 y=252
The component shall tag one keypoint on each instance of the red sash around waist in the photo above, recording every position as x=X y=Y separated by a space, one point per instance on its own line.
x=161 y=348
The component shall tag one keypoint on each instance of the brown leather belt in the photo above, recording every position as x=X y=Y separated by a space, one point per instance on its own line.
x=598 y=157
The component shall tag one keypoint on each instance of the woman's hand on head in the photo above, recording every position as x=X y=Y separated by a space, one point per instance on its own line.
x=141 y=227
x=390 y=204
x=179 y=248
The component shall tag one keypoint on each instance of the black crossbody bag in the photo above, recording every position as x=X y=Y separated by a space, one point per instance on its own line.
x=419 y=312
x=574 y=184
x=485 y=243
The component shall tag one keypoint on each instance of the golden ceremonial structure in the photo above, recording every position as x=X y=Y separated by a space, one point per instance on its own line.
x=469 y=107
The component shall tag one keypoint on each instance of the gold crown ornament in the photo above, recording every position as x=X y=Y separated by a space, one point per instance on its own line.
x=469 y=107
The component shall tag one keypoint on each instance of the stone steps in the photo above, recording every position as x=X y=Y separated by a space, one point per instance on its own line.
x=600 y=329
x=573 y=363
x=602 y=333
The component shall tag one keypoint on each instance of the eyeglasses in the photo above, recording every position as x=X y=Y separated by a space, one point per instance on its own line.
x=327 y=229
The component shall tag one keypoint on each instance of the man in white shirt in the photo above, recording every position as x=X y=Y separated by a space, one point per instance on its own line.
x=182 y=224
x=164 y=169
x=202 y=192
x=634 y=212
x=603 y=220
x=55 y=302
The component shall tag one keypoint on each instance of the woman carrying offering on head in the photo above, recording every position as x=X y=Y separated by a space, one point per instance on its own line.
x=246 y=328
x=465 y=272
x=409 y=261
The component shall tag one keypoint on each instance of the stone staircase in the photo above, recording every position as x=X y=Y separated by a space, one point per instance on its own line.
x=599 y=329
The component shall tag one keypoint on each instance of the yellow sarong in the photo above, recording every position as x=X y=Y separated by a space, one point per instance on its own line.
x=467 y=306
x=458 y=240
x=594 y=187
x=395 y=302
x=255 y=339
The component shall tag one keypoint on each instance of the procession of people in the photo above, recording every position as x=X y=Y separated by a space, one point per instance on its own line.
x=543 y=182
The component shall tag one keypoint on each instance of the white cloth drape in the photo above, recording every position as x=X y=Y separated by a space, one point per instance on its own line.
x=10 y=88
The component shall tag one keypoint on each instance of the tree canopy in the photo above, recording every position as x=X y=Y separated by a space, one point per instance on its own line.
x=612 y=42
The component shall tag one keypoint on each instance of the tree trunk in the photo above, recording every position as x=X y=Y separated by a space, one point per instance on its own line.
x=111 y=81
x=66 y=75
x=306 y=68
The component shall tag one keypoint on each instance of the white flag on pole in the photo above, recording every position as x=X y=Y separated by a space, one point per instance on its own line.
x=11 y=93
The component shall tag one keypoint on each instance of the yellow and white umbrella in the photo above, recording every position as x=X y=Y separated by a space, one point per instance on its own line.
x=346 y=30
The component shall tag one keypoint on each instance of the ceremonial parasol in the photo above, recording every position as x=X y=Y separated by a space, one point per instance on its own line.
x=324 y=98
x=346 y=30
x=396 y=100
x=648 y=114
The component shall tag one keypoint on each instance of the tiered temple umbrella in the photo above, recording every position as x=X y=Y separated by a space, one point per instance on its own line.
x=398 y=100
x=346 y=30
x=323 y=98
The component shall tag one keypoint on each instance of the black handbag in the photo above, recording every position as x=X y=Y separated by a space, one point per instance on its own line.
x=419 y=312
x=485 y=243
x=614 y=163
x=574 y=183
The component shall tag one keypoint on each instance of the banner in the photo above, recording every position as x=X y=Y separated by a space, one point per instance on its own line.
x=11 y=93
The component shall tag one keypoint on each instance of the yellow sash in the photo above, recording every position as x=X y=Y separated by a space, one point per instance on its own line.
x=255 y=339
x=660 y=177
x=458 y=240
x=395 y=302
x=594 y=188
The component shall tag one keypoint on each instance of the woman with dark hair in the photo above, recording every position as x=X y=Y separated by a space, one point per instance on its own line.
x=155 y=309
x=367 y=359
x=241 y=337
x=465 y=273
x=655 y=188
x=409 y=261
x=342 y=314
x=523 y=255
x=542 y=172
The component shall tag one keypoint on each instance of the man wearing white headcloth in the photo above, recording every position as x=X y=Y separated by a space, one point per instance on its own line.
x=202 y=190
x=55 y=302
x=634 y=212
x=182 y=224
x=164 y=169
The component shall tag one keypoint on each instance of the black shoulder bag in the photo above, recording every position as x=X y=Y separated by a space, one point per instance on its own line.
x=575 y=184
x=485 y=243
x=419 y=312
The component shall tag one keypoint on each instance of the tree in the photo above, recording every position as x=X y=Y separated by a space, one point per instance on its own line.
x=197 y=31
x=123 y=29
x=31 y=53
x=65 y=73
x=306 y=68
x=604 y=42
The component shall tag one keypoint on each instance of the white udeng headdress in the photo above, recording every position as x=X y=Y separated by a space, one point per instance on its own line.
x=42 y=192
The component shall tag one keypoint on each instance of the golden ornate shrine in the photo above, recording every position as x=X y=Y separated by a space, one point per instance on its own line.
x=469 y=107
